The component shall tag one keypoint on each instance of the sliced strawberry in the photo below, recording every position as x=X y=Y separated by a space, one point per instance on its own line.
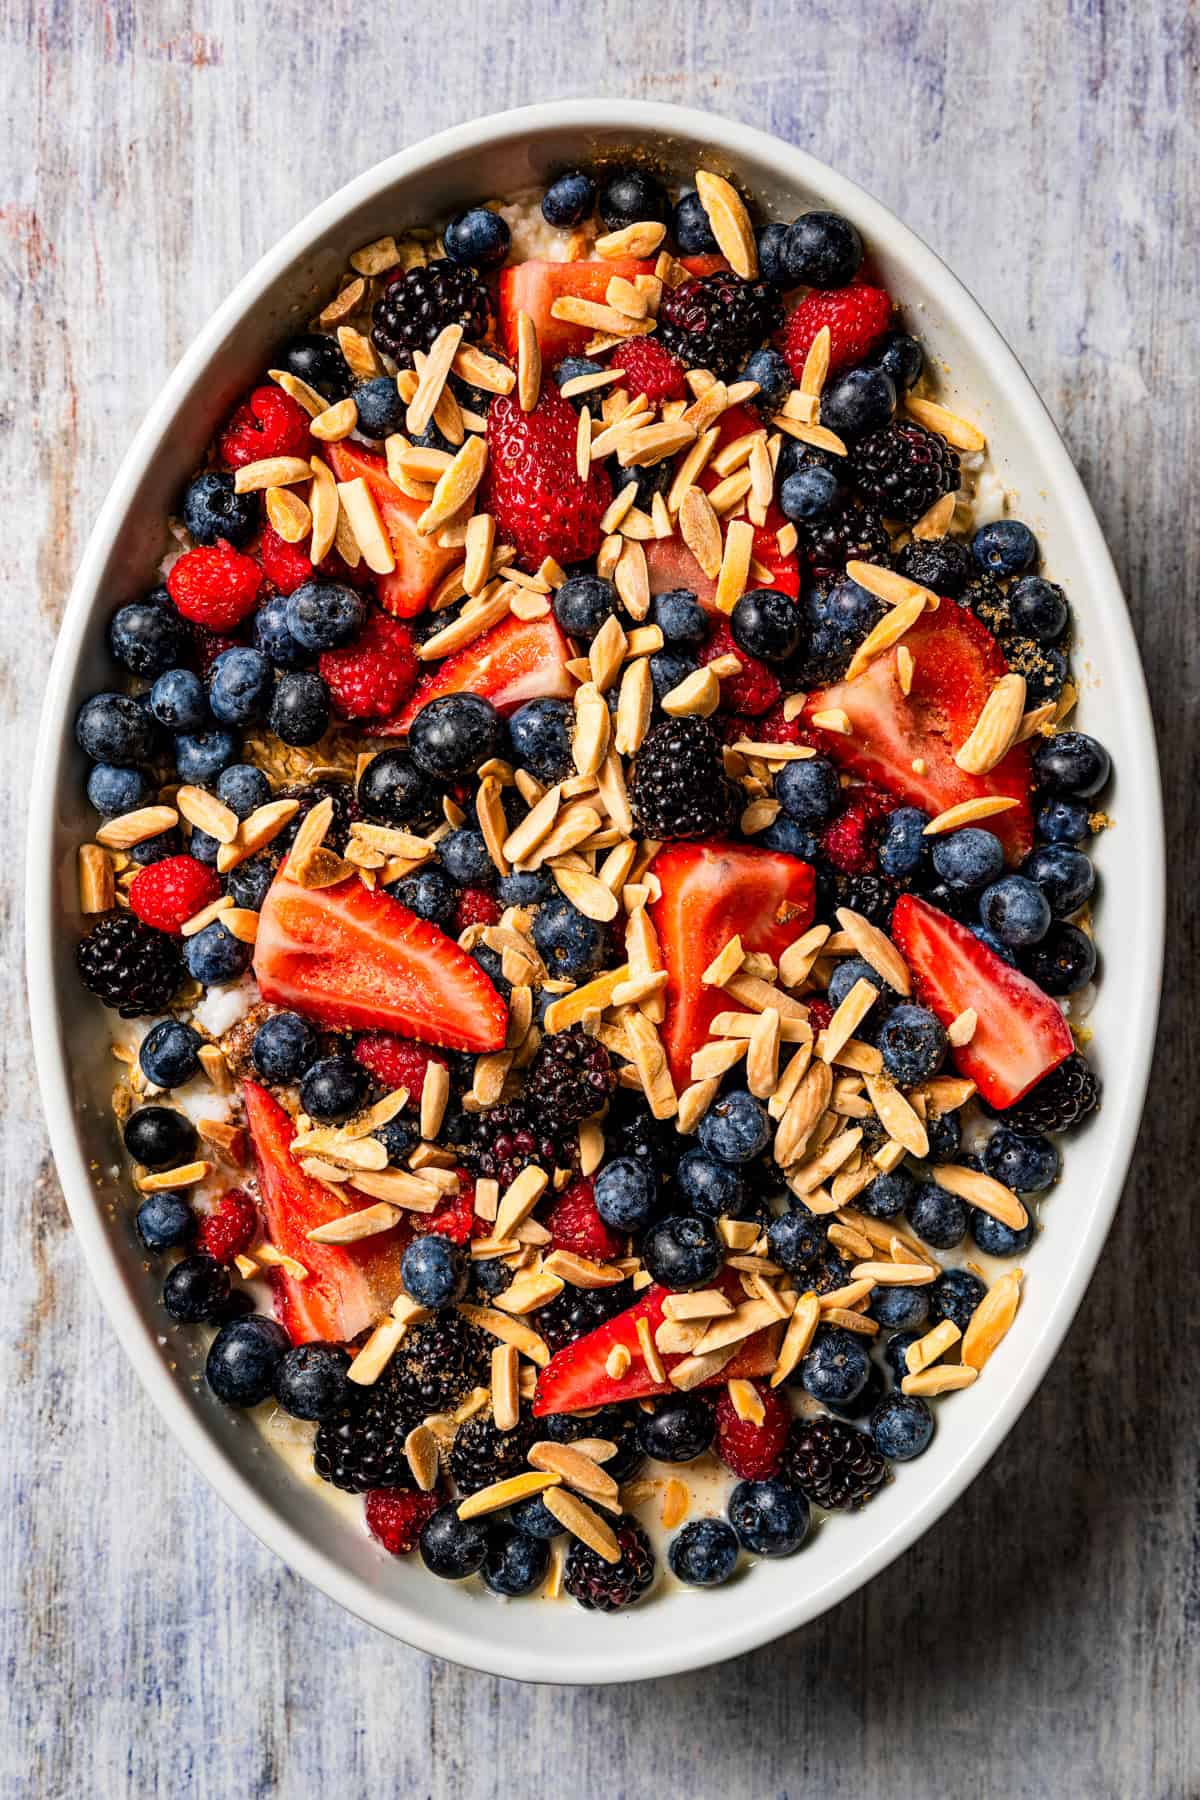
x=957 y=663
x=517 y=660
x=348 y=957
x=1020 y=1034
x=710 y=891
x=420 y=561
x=533 y=287
x=576 y=1378
x=347 y=1286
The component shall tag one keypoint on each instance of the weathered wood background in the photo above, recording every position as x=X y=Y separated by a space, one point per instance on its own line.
x=1043 y=1641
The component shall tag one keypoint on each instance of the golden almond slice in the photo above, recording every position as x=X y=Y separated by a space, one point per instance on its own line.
x=995 y=730
x=506 y=1493
x=932 y=1347
x=437 y=367
x=272 y=471
x=575 y=1469
x=875 y=947
x=579 y=1519
x=989 y=1323
x=509 y=1331
x=641 y=240
x=941 y=1378
x=898 y=1118
x=288 y=515
x=980 y=1190
x=957 y=432
x=455 y=487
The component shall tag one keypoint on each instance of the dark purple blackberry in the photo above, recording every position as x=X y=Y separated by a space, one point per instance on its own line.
x=854 y=532
x=607 y=1587
x=504 y=1139
x=833 y=1465
x=714 y=321
x=570 y=1078
x=677 y=786
x=362 y=1445
x=903 y=468
x=1068 y=1094
x=482 y=1454
x=989 y=602
x=576 y=1311
x=873 y=896
x=328 y=787
x=943 y=564
x=439 y=1363
x=422 y=302
x=618 y=1423
x=129 y=966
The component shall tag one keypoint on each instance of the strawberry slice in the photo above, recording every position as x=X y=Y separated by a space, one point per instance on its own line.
x=711 y=891
x=420 y=561
x=348 y=1286
x=348 y=957
x=517 y=660
x=1020 y=1034
x=533 y=287
x=576 y=1378
x=957 y=663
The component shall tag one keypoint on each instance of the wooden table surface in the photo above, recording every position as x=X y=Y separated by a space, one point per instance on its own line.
x=1043 y=1639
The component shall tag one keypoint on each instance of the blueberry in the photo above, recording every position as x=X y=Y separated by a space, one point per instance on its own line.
x=317 y=360
x=333 y=1089
x=179 y=701
x=887 y=1196
x=300 y=710
x=532 y=1516
x=954 y=1296
x=680 y=617
x=938 y=1217
x=995 y=1239
x=679 y=1429
x=823 y=250
x=1005 y=547
x=159 y=1137
x=769 y=1517
x=165 y=1221
x=808 y=791
x=690 y=227
x=1043 y=666
x=212 y=510
x=766 y=624
x=704 y=1554
x=902 y=847
x=310 y=1381
x=968 y=859
x=204 y=847
x=434 y=1271
x=1064 y=875
x=711 y=1188
x=398 y=1137
x=114 y=791
x=625 y=1192
x=214 y=956
x=283 y=1047
x=583 y=604
x=325 y=615
x=899 y=1308
x=196 y=1289
x=148 y=636
x=569 y=943
x=871 y=1395
x=516 y=1563
x=1038 y=609
x=1064 y=820
x=629 y=196
x=541 y=733
x=247 y=885
x=114 y=728
x=569 y=199
x=683 y=1252
x=735 y=1128
x=491 y=965
x=849 y=972
x=200 y=756
x=793 y=840
x=1072 y=763
x=945 y=1136
x=1063 y=962
x=243 y=1359
x=525 y=887
x=991 y=942
x=243 y=788
x=273 y=636
x=838 y=618
x=430 y=894
x=912 y=1043
x=1025 y=1162
x=772 y=374
x=393 y=791
x=836 y=1368
x=464 y=856
x=1015 y=910
x=810 y=493
x=858 y=401
x=896 y=1348
x=451 y=736
x=239 y=689
x=901 y=1426
x=900 y=357
x=452 y=1547
x=380 y=409
x=796 y=1241
x=772 y=253
x=167 y=1053
x=478 y=238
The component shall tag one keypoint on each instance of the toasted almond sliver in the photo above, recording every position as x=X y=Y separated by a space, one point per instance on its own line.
x=876 y=948
x=272 y=471
x=936 y=522
x=131 y=828
x=969 y=812
x=847 y=1018
x=580 y=1520
x=819 y=436
x=641 y=240
x=897 y=1116
x=509 y=1331
x=696 y=696
x=961 y=1029
x=574 y=1468
x=701 y=531
x=931 y=1347
x=288 y=515
x=456 y=486
x=435 y=1091
x=797 y=1338
x=762 y=1055
x=634 y=703
x=995 y=730
x=506 y=1493
x=942 y=1378
x=730 y=222
x=369 y=1221
x=589 y=746
x=890 y=629
x=97 y=886
x=816 y=363
x=957 y=432
x=800 y=1117
x=735 y=565
x=699 y=1369
x=313 y=403
x=438 y=362
x=990 y=1321
x=980 y=1190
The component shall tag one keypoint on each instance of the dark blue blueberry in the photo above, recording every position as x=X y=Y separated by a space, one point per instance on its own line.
x=823 y=250
x=430 y=894
x=214 y=956
x=945 y=1136
x=1005 y=547
x=114 y=728
x=243 y=1358
x=968 y=859
x=871 y=1395
x=887 y=1196
x=711 y=1188
x=902 y=848
x=808 y=791
x=533 y=1516
x=991 y=942
x=398 y=1137
x=1072 y=763
x=393 y=791
x=318 y=360
x=772 y=374
x=995 y=1239
x=836 y=1368
x=434 y=1271
x=492 y=967
x=838 y=618
x=300 y=710
x=954 y=1296
x=704 y=1554
x=569 y=943
x=159 y=1137
x=668 y=668
x=464 y=856
x=243 y=788
x=766 y=624
x=583 y=603
x=793 y=840
x=239 y=688
x=772 y=253
x=629 y=196
x=284 y=1045
x=541 y=733
x=114 y=791
x=452 y=1547
x=690 y=227
x=679 y=1429
x=1027 y=1163
x=247 y=885
x=148 y=636
x=683 y=1252
x=770 y=1518
x=273 y=636
x=896 y=1348
x=165 y=1221
x=900 y=357
x=848 y=973
x=167 y=1053
x=380 y=408
x=899 y=1308
x=212 y=510
x=857 y=402
x=200 y=756
x=735 y=1128
x=810 y=493
x=1063 y=874
x=325 y=615
x=625 y=1192
x=204 y=847
x=157 y=848
x=310 y=1381
x=451 y=736
x=1015 y=910
x=679 y=616
x=478 y=238
x=196 y=1289
x=332 y=1089
x=938 y=1217
x=901 y=1426
x=526 y=887
x=1063 y=962
x=179 y=701
x=1038 y=609
x=796 y=1241
x=1043 y=666
x=1064 y=820
x=516 y=1564
x=569 y=199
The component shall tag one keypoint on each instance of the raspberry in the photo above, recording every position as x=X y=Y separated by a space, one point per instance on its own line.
x=756 y=690
x=819 y=1014
x=395 y=1517
x=533 y=490
x=849 y=842
x=475 y=906
x=286 y=566
x=372 y=677
x=575 y=1225
x=269 y=423
x=752 y=1451
x=394 y=1062
x=857 y=318
x=650 y=369
x=168 y=893
x=231 y=1229
x=457 y=1220
x=207 y=646
x=215 y=585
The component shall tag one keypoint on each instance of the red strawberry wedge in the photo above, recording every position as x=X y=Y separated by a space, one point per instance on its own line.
x=516 y=661
x=420 y=561
x=576 y=1377
x=710 y=891
x=1020 y=1035
x=348 y=1285
x=957 y=663
x=533 y=287
x=348 y=957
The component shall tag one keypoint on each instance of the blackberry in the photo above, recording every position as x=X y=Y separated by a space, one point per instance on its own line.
x=853 y=532
x=129 y=966
x=833 y=1464
x=607 y=1587
x=714 y=321
x=422 y=302
x=1068 y=1094
x=362 y=1445
x=903 y=468
x=505 y=1139
x=439 y=1363
x=570 y=1078
x=677 y=786
x=329 y=787
x=576 y=1311
x=873 y=896
x=943 y=564
x=989 y=602
x=481 y=1453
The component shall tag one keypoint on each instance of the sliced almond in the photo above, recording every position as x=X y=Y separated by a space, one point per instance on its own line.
x=957 y=432
x=529 y=363
x=942 y=1378
x=575 y=1470
x=989 y=1323
x=762 y=1056
x=980 y=1190
x=272 y=471
x=930 y=1348
x=580 y=1520
x=735 y=565
x=897 y=1116
x=288 y=515
x=589 y=746
x=876 y=948
x=848 y=1016
x=961 y=1029
x=995 y=730
x=509 y=1331
x=506 y=1493
x=437 y=367
x=455 y=487
x=799 y=1120
x=969 y=812
x=634 y=704
x=697 y=696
